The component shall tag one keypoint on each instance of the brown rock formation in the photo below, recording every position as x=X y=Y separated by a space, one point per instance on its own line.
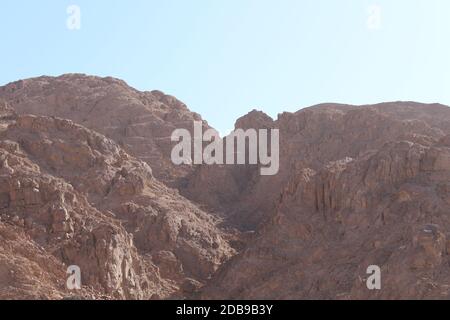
x=384 y=203
x=87 y=180
x=140 y=122
x=84 y=201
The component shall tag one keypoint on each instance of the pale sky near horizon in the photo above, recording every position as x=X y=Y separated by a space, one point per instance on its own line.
x=224 y=58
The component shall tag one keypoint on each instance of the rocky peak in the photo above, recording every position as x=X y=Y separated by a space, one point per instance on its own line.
x=140 y=122
x=86 y=179
x=254 y=120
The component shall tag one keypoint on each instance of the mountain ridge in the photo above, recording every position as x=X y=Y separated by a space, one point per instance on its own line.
x=358 y=185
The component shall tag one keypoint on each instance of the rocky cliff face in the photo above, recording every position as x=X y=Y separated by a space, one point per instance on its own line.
x=140 y=122
x=87 y=180
x=80 y=199
x=377 y=198
x=310 y=138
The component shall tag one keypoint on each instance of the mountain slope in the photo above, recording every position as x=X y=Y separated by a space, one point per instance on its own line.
x=310 y=138
x=379 y=197
x=86 y=202
x=357 y=186
x=140 y=122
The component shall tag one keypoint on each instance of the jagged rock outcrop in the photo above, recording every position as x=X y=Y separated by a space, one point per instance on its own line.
x=378 y=203
x=311 y=138
x=86 y=202
x=87 y=179
x=140 y=122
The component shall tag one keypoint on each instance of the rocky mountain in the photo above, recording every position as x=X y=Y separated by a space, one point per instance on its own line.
x=310 y=138
x=365 y=186
x=140 y=122
x=77 y=198
x=88 y=181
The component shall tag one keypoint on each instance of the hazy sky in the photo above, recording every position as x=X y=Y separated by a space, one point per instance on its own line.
x=224 y=58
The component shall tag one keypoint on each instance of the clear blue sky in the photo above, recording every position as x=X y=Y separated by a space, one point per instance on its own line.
x=226 y=57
